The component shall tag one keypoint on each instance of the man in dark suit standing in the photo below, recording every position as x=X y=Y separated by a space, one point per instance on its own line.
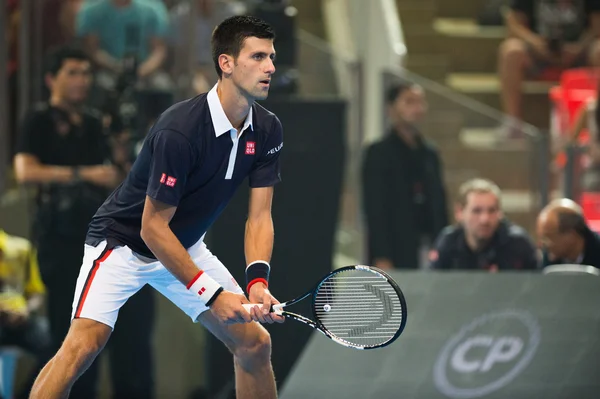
x=403 y=190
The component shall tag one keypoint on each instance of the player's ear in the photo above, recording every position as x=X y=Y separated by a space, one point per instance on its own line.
x=226 y=63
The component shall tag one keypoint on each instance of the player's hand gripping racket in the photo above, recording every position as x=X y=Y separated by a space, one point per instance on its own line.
x=359 y=307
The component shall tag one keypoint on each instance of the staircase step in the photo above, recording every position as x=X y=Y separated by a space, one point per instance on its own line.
x=510 y=169
x=489 y=83
x=469 y=48
x=414 y=12
x=443 y=127
x=422 y=40
x=467 y=27
x=434 y=67
x=459 y=9
x=486 y=89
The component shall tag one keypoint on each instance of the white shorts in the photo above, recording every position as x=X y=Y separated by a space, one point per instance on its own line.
x=109 y=277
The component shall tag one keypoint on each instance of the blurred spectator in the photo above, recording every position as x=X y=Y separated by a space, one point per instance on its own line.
x=159 y=6
x=565 y=236
x=21 y=298
x=125 y=38
x=542 y=34
x=482 y=240
x=196 y=28
x=63 y=149
x=403 y=191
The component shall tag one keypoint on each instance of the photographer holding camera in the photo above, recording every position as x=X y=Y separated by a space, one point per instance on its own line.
x=64 y=150
x=544 y=34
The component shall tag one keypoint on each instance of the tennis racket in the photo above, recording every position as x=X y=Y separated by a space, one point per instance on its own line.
x=360 y=307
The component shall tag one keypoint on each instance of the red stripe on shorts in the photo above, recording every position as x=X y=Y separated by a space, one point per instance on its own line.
x=90 y=278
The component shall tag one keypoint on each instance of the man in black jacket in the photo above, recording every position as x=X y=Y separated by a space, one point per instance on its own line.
x=403 y=190
x=483 y=239
x=565 y=236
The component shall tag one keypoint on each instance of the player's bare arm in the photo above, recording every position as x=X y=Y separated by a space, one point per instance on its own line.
x=258 y=245
x=159 y=238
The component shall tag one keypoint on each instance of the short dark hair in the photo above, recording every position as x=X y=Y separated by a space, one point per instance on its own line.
x=394 y=91
x=228 y=38
x=568 y=221
x=57 y=57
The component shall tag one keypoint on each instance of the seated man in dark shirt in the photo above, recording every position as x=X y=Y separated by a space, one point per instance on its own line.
x=482 y=240
x=565 y=236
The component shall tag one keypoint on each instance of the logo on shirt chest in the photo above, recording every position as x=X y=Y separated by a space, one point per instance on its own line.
x=250 y=148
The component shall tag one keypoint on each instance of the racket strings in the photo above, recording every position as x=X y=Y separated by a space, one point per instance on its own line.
x=359 y=307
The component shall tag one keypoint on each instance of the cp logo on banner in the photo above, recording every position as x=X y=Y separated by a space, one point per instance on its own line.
x=486 y=354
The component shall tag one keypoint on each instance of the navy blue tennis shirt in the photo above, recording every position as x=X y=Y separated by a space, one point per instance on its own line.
x=194 y=159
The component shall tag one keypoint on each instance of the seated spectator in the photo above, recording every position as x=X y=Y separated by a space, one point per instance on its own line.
x=565 y=236
x=21 y=298
x=125 y=37
x=482 y=240
x=542 y=34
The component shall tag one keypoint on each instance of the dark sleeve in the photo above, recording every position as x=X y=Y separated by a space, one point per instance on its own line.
x=172 y=159
x=374 y=191
x=440 y=256
x=524 y=6
x=266 y=171
x=31 y=138
x=527 y=253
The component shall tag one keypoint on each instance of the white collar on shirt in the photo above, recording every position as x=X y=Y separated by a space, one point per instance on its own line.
x=220 y=122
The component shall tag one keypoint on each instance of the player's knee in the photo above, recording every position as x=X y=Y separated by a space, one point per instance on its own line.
x=79 y=350
x=255 y=348
x=82 y=346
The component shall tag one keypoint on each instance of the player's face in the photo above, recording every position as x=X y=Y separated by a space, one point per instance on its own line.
x=410 y=106
x=72 y=81
x=254 y=67
x=481 y=215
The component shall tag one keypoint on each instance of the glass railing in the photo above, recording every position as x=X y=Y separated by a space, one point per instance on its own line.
x=476 y=140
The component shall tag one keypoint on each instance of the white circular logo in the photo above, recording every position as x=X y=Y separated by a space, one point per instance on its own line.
x=486 y=354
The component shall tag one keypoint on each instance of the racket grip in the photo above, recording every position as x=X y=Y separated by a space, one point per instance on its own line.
x=274 y=308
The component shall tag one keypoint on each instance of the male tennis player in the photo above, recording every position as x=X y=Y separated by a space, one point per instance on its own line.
x=150 y=230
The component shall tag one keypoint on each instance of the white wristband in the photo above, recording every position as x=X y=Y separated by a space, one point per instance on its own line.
x=206 y=288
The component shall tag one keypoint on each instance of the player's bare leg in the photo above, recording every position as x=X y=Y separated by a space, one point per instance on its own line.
x=83 y=343
x=251 y=347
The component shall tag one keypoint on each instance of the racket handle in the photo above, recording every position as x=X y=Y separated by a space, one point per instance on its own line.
x=274 y=308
